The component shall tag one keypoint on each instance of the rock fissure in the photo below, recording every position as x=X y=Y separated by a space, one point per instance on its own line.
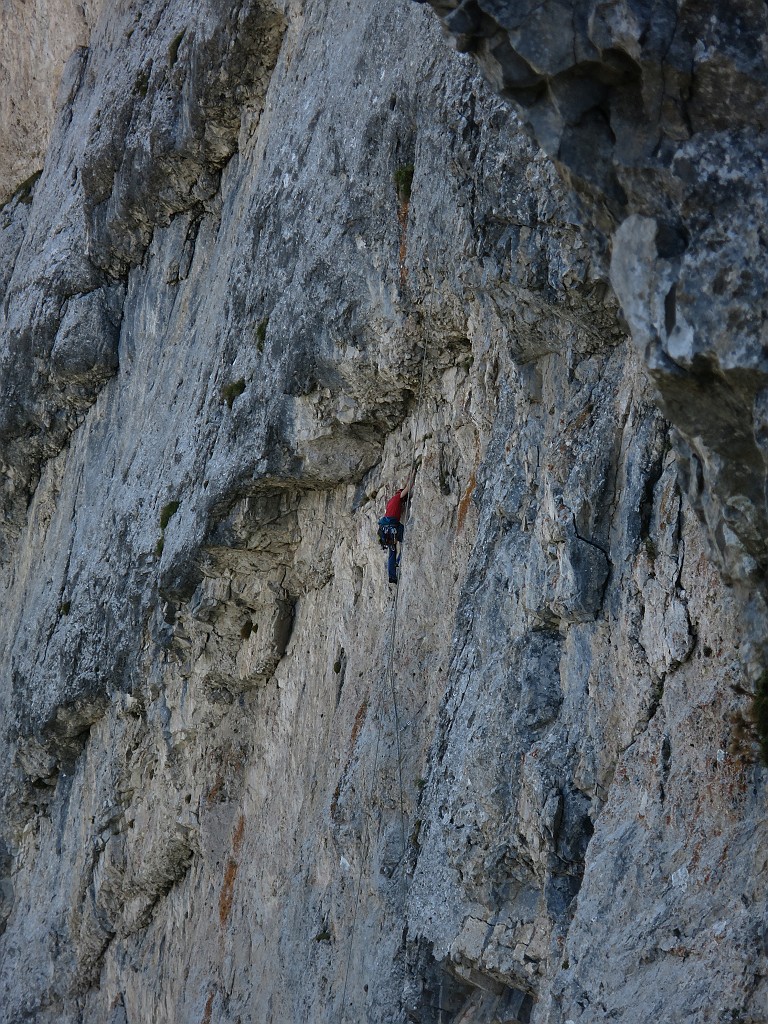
x=202 y=773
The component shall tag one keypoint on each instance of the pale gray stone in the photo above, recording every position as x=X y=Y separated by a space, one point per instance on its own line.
x=235 y=787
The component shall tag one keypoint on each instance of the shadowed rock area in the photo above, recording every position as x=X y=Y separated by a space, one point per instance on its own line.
x=278 y=252
x=656 y=115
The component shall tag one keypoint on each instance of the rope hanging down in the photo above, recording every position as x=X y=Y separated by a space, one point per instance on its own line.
x=408 y=517
x=391 y=677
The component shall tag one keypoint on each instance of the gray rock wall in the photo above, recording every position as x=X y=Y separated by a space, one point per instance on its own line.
x=37 y=37
x=243 y=780
x=656 y=116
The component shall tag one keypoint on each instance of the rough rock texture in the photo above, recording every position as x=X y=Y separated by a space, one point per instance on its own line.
x=137 y=142
x=657 y=114
x=37 y=38
x=241 y=780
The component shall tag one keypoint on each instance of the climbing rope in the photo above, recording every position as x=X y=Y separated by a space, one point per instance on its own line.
x=391 y=676
x=363 y=859
x=408 y=516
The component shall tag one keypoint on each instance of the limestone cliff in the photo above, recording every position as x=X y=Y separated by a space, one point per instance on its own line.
x=277 y=250
x=36 y=39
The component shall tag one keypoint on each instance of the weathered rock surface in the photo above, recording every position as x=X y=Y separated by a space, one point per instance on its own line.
x=657 y=114
x=37 y=37
x=240 y=781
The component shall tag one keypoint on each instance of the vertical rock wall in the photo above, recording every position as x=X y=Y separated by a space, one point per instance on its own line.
x=242 y=782
x=36 y=40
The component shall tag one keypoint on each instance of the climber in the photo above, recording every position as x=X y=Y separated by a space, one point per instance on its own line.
x=390 y=527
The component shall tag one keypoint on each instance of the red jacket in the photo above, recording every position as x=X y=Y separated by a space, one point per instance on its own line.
x=395 y=504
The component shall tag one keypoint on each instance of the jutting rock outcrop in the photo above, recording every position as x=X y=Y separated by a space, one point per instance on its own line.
x=657 y=115
x=36 y=40
x=276 y=253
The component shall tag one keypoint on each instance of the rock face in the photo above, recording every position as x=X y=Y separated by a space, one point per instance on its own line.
x=657 y=114
x=276 y=253
x=36 y=39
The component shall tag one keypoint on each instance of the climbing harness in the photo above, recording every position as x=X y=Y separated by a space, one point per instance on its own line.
x=388 y=532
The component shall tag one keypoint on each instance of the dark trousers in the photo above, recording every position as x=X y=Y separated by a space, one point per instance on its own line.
x=392 y=554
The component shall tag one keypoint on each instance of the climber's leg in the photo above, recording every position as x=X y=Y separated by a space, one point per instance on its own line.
x=392 y=564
